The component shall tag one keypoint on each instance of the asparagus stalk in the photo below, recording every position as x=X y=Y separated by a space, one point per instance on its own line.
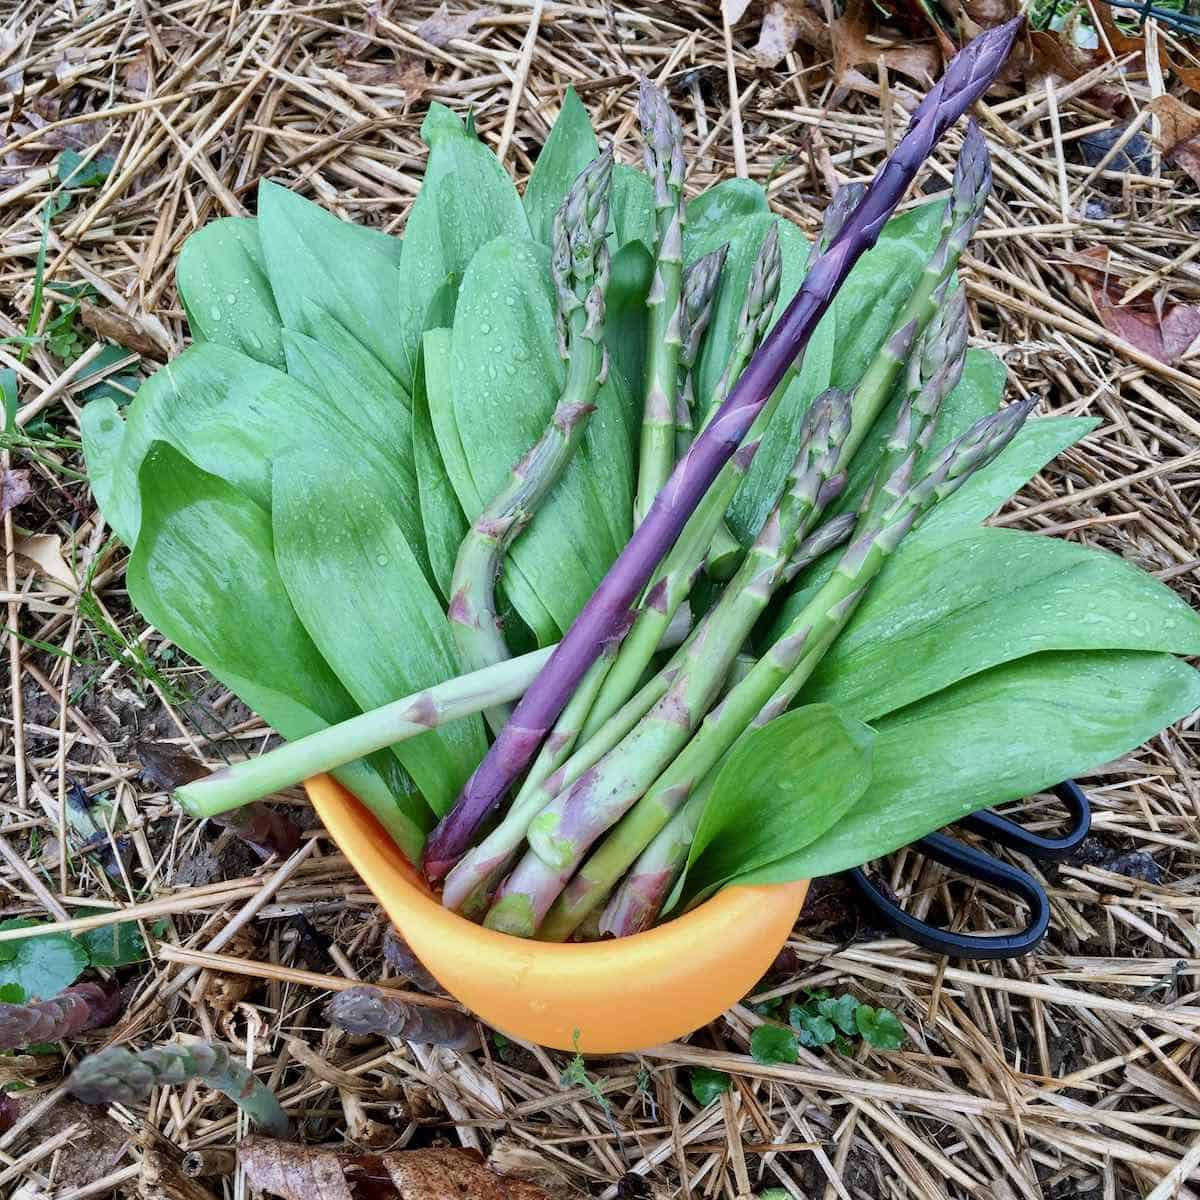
x=371 y=1010
x=120 y=1076
x=934 y=369
x=833 y=533
x=469 y=886
x=563 y=831
x=699 y=293
x=636 y=903
x=778 y=676
x=965 y=80
x=73 y=1010
x=579 y=264
x=673 y=580
x=663 y=137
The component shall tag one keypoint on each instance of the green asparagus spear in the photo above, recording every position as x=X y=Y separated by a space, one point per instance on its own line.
x=777 y=677
x=120 y=1076
x=699 y=293
x=563 y=831
x=663 y=137
x=579 y=264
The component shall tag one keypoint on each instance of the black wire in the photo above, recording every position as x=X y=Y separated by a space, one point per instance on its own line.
x=1182 y=22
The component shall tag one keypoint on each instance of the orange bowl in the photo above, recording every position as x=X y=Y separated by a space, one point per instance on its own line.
x=603 y=997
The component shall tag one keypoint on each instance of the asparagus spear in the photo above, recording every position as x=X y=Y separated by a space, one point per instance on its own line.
x=673 y=580
x=579 y=265
x=563 y=831
x=74 y=1009
x=120 y=1076
x=699 y=293
x=965 y=80
x=663 y=137
x=777 y=677
x=371 y=1010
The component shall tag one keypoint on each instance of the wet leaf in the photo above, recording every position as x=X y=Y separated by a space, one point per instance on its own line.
x=852 y=48
x=41 y=965
x=569 y=148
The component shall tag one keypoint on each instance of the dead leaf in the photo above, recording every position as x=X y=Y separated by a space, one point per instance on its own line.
x=353 y=45
x=15 y=489
x=302 y=1173
x=444 y=26
x=136 y=73
x=851 y=48
x=1163 y=331
x=1180 y=141
x=735 y=10
x=511 y=1156
x=166 y=767
x=44 y=550
x=406 y=74
x=784 y=23
x=266 y=831
x=125 y=330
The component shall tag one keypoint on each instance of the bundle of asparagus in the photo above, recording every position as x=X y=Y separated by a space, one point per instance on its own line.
x=708 y=624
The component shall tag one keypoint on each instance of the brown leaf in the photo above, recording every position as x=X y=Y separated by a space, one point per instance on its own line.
x=784 y=23
x=15 y=489
x=1180 y=141
x=352 y=45
x=136 y=73
x=122 y=329
x=851 y=48
x=265 y=830
x=1164 y=331
x=302 y=1173
x=44 y=550
x=166 y=767
x=407 y=74
x=511 y=1156
x=444 y=26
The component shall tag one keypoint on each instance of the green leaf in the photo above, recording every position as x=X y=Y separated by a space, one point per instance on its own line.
x=814 y=1029
x=114 y=945
x=879 y=1027
x=625 y=319
x=779 y=788
x=840 y=1011
x=12 y=993
x=102 y=432
x=8 y=390
x=350 y=271
x=632 y=209
x=334 y=366
x=708 y=1085
x=364 y=601
x=41 y=965
x=715 y=212
x=773 y=1044
x=222 y=281
x=441 y=513
x=466 y=200
x=1037 y=443
x=948 y=609
x=203 y=573
x=1000 y=735
x=504 y=347
x=569 y=148
x=231 y=416
x=74 y=172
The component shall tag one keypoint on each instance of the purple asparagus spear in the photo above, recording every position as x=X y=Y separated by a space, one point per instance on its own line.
x=607 y=611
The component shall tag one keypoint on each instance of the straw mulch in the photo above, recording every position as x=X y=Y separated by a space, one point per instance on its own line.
x=1070 y=1073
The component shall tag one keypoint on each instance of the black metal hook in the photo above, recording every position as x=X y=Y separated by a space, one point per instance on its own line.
x=975 y=864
